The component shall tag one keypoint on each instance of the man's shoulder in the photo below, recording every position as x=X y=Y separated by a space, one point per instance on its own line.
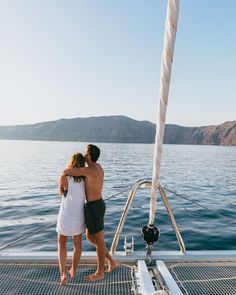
x=97 y=169
x=99 y=165
x=101 y=171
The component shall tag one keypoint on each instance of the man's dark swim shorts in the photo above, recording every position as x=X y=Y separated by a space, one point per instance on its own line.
x=94 y=216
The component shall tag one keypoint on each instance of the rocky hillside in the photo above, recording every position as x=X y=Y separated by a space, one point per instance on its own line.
x=120 y=129
x=94 y=129
x=224 y=134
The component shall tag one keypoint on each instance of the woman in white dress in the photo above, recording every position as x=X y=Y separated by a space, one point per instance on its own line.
x=71 y=216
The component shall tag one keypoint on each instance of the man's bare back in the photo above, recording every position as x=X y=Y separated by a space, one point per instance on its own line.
x=94 y=182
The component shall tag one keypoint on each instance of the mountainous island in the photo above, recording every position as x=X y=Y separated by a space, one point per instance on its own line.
x=120 y=129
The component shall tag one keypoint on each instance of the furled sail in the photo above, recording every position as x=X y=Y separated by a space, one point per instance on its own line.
x=166 y=63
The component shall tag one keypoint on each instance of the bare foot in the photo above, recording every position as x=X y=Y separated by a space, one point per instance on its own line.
x=95 y=277
x=63 y=280
x=71 y=273
x=112 y=266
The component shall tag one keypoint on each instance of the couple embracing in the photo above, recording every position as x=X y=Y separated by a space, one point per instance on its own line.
x=82 y=207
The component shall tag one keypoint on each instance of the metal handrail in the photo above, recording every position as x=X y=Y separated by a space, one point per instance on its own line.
x=172 y=219
x=146 y=184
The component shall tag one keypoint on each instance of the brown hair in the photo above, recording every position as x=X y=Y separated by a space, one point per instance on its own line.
x=94 y=152
x=77 y=161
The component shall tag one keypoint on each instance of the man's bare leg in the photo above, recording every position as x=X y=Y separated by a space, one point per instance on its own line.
x=111 y=263
x=91 y=238
x=62 y=255
x=101 y=253
x=77 y=240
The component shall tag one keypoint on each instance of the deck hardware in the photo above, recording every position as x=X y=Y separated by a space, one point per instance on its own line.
x=150 y=234
x=129 y=246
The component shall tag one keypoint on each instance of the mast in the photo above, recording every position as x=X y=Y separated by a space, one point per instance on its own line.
x=166 y=63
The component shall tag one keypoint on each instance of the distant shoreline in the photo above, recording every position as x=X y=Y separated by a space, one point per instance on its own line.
x=120 y=129
x=114 y=143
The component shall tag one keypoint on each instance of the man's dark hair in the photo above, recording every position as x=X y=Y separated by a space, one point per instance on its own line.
x=94 y=152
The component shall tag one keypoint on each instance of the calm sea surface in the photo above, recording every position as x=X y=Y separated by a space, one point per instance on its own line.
x=205 y=174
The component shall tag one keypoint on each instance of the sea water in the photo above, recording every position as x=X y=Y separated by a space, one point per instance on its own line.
x=204 y=175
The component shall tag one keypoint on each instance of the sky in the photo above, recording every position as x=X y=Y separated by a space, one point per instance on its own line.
x=83 y=58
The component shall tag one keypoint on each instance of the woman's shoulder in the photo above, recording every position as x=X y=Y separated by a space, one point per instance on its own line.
x=63 y=178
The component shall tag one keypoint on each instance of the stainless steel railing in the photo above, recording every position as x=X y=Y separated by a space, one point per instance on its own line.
x=146 y=184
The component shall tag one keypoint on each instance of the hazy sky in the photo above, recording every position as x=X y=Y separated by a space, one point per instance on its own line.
x=65 y=59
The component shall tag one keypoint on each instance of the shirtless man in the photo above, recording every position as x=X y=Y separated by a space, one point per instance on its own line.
x=94 y=209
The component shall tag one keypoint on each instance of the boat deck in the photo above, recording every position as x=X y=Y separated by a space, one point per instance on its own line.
x=205 y=278
x=42 y=279
x=174 y=274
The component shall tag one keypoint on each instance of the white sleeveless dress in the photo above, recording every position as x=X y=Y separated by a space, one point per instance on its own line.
x=70 y=220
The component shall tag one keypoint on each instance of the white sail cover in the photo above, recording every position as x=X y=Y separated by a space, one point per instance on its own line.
x=167 y=58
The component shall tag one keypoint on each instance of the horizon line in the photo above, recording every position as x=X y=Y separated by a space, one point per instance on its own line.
x=93 y=116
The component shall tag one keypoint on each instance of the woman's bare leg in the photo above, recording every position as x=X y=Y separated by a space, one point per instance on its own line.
x=76 y=254
x=62 y=255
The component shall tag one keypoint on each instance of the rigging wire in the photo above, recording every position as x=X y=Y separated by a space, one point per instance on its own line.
x=11 y=243
x=200 y=205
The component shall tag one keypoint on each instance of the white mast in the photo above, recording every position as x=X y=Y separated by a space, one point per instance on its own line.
x=167 y=58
